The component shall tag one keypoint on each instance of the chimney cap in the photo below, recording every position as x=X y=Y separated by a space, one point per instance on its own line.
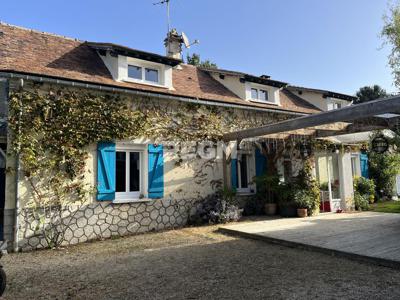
x=173 y=44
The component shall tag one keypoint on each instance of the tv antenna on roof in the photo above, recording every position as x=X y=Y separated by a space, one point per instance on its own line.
x=168 y=15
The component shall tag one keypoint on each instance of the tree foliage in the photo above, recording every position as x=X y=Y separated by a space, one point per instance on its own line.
x=391 y=36
x=383 y=168
x=305 y=181
x=364 y=192
x=195 y=60
x=369 y=93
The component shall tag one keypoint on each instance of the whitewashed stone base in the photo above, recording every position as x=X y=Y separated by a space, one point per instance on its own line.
x=103 y=220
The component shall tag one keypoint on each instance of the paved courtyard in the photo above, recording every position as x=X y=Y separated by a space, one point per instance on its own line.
x=193 y=263
x=366 y=236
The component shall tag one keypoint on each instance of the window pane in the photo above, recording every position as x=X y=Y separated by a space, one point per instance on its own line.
x=151 y=75
x=134 y=72
x=254 y=94
x=353 y=165
x=243 y=171
x=263 y=95
x=134 y=172
x=120 y=172
x=334 y=176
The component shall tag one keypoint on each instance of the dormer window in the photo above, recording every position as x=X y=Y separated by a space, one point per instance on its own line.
x=130 y=65
x=334 y=105
x=143 y=74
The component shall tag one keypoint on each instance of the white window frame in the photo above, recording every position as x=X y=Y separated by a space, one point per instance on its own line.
x=355 y=157
x=139 y=196
x=332 y=105
x=259 y=90
x=143 y=80
x=145 y=65
x=272 y=93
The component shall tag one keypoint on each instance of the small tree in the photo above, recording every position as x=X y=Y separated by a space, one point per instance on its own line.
x=391 y=35
x=305 y=181
x=369 y=93
x=195 y=60
x=383 y=168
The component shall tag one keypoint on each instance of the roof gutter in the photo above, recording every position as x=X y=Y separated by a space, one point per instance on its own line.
x=106 y=88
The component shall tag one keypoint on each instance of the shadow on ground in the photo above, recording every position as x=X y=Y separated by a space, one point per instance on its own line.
x=184 y=264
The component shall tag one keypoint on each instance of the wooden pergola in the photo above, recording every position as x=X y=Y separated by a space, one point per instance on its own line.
x=374 y=115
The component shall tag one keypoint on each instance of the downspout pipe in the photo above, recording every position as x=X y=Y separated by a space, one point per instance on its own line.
x=17 y=178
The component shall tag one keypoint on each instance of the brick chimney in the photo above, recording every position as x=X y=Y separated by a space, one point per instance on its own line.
x=173 y=44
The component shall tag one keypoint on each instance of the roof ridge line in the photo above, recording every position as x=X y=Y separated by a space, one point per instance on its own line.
x=41 y=32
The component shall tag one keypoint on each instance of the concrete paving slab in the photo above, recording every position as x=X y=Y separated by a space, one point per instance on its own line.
x=366 y=236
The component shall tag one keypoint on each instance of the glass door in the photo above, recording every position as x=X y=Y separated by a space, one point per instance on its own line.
x=329 y=182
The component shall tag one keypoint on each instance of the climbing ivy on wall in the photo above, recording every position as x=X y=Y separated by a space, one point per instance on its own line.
x=52 y=127
x=51 y=130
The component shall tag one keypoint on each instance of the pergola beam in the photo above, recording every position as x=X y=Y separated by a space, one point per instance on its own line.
x=321 y=133
x=353 y=113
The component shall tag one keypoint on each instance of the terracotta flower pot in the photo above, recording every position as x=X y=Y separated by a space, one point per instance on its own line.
x=270 y=209
x=302 y=212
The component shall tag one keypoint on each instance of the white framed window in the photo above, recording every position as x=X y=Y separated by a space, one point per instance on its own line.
x=130 y=168
x=334 y=105
x=143 y=74
x=263 y=95
x=254 y=93
x=355 y=165
x=151 y=75
x=259 y=94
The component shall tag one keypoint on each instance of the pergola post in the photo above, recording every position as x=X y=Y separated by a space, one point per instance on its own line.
x=346 y=181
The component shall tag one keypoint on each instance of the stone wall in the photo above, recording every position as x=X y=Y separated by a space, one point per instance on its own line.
x=101 y=220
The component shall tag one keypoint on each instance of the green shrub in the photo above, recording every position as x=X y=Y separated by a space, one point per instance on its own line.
x=361 y=201
x=383 y=167
x=268 y=187
x=220 y=207
x=365 y=187
x=304 y=199
x=306 y=181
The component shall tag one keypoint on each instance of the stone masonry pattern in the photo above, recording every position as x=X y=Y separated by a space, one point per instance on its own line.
x=102 y=220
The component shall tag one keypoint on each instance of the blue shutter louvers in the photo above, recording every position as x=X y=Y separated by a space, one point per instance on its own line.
x=156 y=172
x=105 y=171
x=261 y=163
x=364 y=165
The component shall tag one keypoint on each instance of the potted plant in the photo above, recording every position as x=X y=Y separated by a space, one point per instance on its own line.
x=270 y=208
x=303 y=199
x=287 y=205
x=267 y=187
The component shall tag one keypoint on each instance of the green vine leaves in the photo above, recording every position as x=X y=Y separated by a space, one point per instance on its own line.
x=52 y=128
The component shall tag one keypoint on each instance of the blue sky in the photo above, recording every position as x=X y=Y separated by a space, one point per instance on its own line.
x=331 y=45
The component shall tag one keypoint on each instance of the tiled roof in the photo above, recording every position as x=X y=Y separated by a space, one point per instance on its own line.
x=325 y=93
x=37 y=53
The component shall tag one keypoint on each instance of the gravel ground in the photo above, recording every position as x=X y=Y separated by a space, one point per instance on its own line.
x=192 y=263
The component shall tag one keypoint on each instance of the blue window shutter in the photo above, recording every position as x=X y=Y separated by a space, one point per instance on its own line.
x=261 y=163
x=156 y=172
x=105 y=171
x=234 y=174
x=364 y=165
